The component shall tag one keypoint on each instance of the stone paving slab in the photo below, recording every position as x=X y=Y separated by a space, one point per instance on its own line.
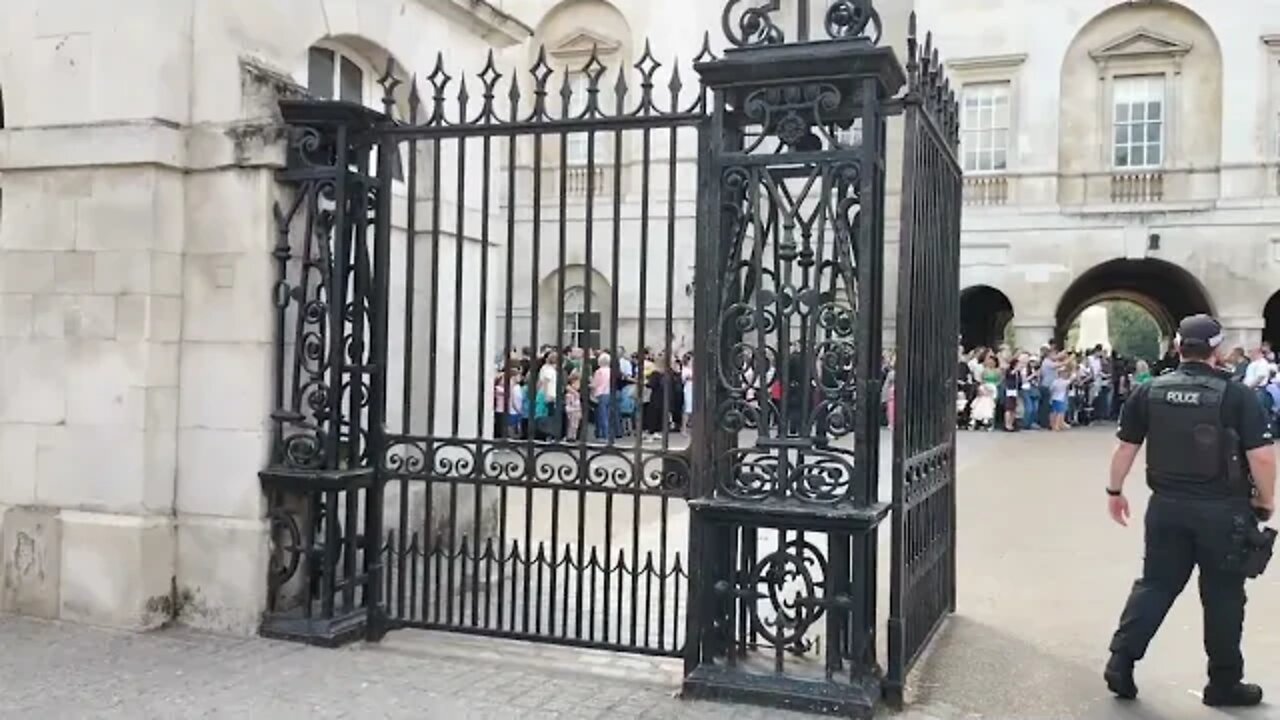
x=53 y=671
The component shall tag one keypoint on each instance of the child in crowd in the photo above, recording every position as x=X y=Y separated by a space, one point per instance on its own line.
x=1058 y=403
x=573 y=403
x=982 y=414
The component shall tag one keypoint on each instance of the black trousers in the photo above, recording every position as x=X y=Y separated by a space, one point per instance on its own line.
x=1180 y=535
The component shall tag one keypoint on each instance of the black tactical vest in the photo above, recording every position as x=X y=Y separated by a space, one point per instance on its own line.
x=1187 y=443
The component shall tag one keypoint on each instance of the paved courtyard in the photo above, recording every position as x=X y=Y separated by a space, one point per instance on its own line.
x=1043 y=576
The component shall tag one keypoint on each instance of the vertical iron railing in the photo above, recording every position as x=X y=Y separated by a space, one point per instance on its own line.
x=923 y=581
x=534 y=529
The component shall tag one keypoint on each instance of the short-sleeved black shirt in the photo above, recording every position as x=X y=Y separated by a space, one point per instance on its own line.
x=1241 y=412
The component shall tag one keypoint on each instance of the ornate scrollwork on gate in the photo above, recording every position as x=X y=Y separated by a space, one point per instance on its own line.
x=756 y=23
x=286 y=547
x=322 y=249
x=787 y=357
x=549 y=465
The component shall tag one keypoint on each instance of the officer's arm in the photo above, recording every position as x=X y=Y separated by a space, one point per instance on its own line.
x=1121 y=463
x=1262 y=466
x=1255 y=437
x=1132 y=433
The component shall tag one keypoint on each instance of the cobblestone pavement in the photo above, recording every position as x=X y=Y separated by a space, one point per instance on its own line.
x=55 y=671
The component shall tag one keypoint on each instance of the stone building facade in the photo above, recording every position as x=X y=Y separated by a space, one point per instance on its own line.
x=138 y=153
x=1117 y=150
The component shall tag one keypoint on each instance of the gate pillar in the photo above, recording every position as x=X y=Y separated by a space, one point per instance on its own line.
x=322 y=499
x=789 y=311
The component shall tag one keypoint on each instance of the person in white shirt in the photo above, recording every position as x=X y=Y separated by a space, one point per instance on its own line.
x=1258 y=370
x=1257 y=374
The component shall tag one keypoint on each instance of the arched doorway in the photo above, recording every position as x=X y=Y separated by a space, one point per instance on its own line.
x=1271 y=317
x=985 y=314
x=1166 y=291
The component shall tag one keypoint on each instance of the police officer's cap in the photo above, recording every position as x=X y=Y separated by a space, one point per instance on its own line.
x=1199 y=331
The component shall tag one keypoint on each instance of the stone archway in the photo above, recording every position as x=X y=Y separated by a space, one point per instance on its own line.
x=985 y=313
x=1271 y=318
x=1167 y=291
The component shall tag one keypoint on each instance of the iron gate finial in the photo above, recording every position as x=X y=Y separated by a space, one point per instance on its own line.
x=753 y=23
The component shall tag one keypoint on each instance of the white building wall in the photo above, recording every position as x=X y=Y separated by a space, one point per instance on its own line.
x=1217 y=219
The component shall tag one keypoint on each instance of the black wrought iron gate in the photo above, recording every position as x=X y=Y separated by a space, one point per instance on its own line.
x=464 y=439
x=923 y=570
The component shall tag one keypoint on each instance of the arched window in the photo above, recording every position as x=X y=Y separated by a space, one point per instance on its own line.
x=581 y=328
x=336 y=73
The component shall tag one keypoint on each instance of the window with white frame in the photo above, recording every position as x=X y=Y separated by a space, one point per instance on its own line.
x=333 y=74
x=984 y=127
x=581 y=328
x=576 y=143
x=1138 y=121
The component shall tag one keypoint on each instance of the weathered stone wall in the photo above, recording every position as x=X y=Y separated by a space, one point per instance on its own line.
x=138 y=168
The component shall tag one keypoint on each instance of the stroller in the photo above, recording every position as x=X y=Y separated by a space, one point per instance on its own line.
x=1079 y=408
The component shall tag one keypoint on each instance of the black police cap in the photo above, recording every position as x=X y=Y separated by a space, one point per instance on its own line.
x=1199 y=331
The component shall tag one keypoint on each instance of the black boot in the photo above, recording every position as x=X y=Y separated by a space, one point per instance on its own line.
x=1238 y=695
x=1119 y=677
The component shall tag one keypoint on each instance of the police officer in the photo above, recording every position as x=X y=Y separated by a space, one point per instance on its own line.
x=1196 y=422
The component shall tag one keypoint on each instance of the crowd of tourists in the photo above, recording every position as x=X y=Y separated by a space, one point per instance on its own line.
x=1011 y=390
x=574 y=393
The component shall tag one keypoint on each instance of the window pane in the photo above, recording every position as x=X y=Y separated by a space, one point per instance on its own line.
x=1001 y=162
x=970 y=160
x=1154 y=155
x=1121 y=135
x=1001 y=140
x=1153 y=132
x=1122 y=156
x=1137 y=156
x=320 y=73
x=1154 y=110
x=352 y=82
x=1138 y=112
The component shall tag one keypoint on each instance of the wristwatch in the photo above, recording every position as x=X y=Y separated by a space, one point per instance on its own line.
x=1114 y=493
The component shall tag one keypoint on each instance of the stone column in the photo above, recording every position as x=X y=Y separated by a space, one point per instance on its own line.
x=1032 y=333
x=227 y=345
x=91 y=293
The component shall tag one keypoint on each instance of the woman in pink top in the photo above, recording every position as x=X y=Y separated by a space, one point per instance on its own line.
x=602 y=393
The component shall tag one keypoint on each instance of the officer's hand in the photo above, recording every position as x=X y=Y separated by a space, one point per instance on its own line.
x=1118 y=507
x=1264 y=510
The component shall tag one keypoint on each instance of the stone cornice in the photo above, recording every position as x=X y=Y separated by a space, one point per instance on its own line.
x=987 y=62
x=493 y=24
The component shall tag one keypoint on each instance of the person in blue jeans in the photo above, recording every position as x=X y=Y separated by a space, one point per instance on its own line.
x=1048 y=374
x=603 y=390
x=1031 y=396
